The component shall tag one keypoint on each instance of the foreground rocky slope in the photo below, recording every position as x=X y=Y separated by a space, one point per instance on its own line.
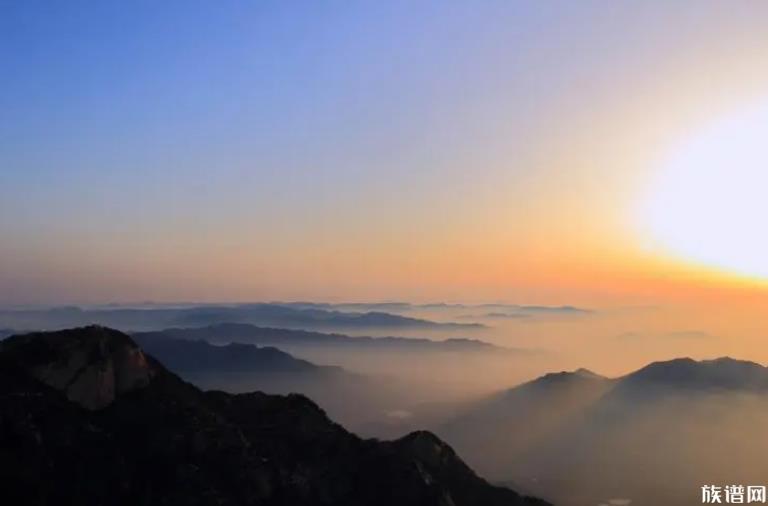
x=87 y=418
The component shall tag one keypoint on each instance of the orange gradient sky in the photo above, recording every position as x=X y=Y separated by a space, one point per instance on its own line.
x=484 y=153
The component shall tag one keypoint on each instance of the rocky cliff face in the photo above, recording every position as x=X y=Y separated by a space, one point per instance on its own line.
x=87 y=418
x=90 y=366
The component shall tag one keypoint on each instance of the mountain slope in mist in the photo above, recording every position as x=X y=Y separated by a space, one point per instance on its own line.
x=653 y=436
x=387 y=377
x=352 y=398
x=89 y=418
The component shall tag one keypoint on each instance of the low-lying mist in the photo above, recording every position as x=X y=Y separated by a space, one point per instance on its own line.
x=386 y=393
x=575 y=438
x=586 y=444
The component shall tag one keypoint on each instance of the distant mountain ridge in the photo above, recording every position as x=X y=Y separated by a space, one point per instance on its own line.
x=266 y=336
x=90 y=419
x=294 y=315
x=407 y=306
x=182 y=355
x=238 y=368
x=276 y=315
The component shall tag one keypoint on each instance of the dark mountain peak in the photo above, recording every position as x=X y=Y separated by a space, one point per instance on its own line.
x=291 y=417
x=427 y=447
x=733 y=362
x=192 y=356
x=567 y=377
x=586 y=373
x=91 y=365
x=147 y=437
x=434 y=461
x=720 y=373
x=564 y=387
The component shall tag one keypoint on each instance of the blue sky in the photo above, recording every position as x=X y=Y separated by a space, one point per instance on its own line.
x=275 y=126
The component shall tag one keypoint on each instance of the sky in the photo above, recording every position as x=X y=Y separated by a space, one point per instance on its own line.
x=427 y=150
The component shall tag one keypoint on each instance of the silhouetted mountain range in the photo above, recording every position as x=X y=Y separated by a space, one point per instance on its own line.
x=389 y=372
x=88 y=418
x=387 y=307
x=191 y=356
x=294 y=315
x=397 y=307
x=238 y=368
x=652 y=436
x=277 y=315
x=225 y=333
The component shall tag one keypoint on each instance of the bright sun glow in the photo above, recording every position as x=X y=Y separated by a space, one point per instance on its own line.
x=708 y=203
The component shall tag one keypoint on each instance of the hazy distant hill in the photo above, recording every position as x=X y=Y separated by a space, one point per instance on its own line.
x=383 y=376
x=653 y=436
x=722 y=374
x=399 y=307
x=238 y=368
x=190 y=356
x=266 y=336
x=294 y=315
x=276 y=315
x=88 y=418
x=387 y=307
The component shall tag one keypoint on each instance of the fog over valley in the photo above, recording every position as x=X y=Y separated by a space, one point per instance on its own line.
x=492 y=389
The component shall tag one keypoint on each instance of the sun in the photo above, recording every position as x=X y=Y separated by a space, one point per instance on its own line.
x=707 y=202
